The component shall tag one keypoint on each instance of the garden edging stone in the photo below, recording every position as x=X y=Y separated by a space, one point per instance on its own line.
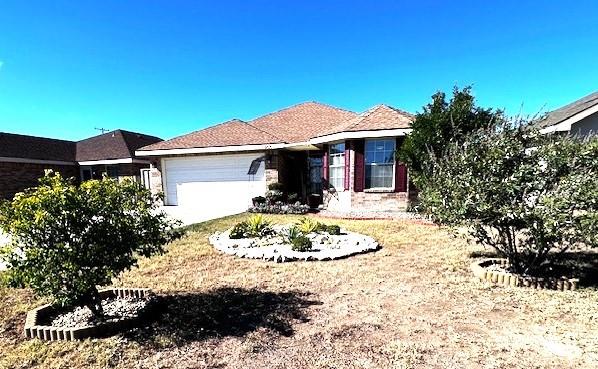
x=481 y=271
x=33 y=328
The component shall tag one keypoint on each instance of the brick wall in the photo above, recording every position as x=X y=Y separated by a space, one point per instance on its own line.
x=15 y=177
x=383 y=201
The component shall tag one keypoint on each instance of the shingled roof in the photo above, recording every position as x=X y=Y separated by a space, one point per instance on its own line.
x=569 y=110
x=119 y=144
x=38 y=148
x=231 y=133
x=301 y=122
x=295 y=124
x=377 y=118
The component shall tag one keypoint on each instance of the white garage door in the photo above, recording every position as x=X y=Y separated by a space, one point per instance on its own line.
x=215 y=183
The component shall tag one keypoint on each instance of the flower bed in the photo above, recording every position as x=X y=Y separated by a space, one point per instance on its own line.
x=125 y=308
x=495 y=271
x=307 y=241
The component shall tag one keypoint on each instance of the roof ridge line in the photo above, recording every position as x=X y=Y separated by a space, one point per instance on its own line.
x=298 y=104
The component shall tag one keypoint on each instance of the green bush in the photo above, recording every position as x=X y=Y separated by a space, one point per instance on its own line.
x=309 y=225
x=238 y=231
x=67 y=240
x=258 y=226
x=301 y=243
x=333 y=229
x=439 y=124
x=527 y=195
x=276 y=186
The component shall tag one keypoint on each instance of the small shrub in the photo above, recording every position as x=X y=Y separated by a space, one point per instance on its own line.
x=301 y=243
x=239 y=231
x=258 y=226
x=293 y=233
x=258 y=200
x=308 y=225
x=274 y=196
x=292 y=198
x=276 y=186
x=333 y=229
x=66 y=240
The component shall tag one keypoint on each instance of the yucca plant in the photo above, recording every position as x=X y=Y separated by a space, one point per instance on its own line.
x=258 y=226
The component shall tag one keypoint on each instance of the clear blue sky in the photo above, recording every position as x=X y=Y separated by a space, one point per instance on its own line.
x=169 y=67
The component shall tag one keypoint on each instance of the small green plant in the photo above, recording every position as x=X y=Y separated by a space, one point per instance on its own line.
x=333 y=229
x=258 y=226
x=308 y=225
x=293 y=233
x=301 y=243
x=238 y=231
x=292 y=198
x=276 y=186
x=258 y=200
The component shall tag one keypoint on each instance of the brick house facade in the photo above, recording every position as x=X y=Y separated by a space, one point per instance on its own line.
x=24 y=159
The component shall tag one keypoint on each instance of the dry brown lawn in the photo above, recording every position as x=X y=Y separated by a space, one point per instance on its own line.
x=413 y=304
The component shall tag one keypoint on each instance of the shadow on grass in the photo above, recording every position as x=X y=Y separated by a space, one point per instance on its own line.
x=579 y=264
x=224 y=312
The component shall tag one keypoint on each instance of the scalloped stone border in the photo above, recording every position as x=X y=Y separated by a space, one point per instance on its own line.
x=49 y=333
x=480 y=270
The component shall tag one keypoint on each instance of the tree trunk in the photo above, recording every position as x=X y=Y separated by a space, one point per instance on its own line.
x=94 y=303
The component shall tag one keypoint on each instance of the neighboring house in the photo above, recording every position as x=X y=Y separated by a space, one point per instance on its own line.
x=579 y=118
x=311 y=148
x=24 y=159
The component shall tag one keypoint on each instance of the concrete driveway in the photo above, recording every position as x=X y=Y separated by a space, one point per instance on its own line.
x=191 y=215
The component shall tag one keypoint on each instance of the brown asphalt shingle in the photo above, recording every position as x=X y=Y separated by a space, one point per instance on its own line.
x=39 y=148
x=232 y=133
x=301 y=122
x=377 y=118
x=297 y=123
x=117 y=144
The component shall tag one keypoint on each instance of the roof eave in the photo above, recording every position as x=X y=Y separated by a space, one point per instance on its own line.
x=360 y=134
x=208 y=150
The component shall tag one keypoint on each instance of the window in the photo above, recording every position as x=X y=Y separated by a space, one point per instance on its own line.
x=112 y=171
x=379 y=163
x=337 y=166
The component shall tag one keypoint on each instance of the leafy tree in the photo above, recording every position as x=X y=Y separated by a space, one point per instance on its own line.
x=67 y=240
x=522 y=193
x=441 y=123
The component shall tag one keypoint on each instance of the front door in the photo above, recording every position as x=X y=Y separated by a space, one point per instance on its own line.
x=315 y=174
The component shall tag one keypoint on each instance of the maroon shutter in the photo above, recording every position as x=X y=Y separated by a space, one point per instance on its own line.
x=347 y=164
x=400 y=171
x=325 y=166
x=359 y=183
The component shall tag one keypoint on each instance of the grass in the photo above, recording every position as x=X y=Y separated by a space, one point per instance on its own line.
x=412 y=304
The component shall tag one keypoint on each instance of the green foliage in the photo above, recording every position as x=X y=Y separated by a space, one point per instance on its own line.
x=292 y=198
x=66 y=240
x=333 y=229
x=523 y=193
x=258 y=226
x=276 y=186
x=293 y=233
x=258 y=200
x=309 y=225
x=439 y=124
x=301 y=243
x=238 y=231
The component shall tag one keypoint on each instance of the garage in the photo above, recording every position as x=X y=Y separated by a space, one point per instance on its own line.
x=217 y=182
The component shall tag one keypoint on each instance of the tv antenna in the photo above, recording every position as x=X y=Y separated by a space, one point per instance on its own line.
x=103 y=130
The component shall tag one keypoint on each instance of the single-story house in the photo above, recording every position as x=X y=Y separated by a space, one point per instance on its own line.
x=24 y=159
x=345 y=158
x=579 y=117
